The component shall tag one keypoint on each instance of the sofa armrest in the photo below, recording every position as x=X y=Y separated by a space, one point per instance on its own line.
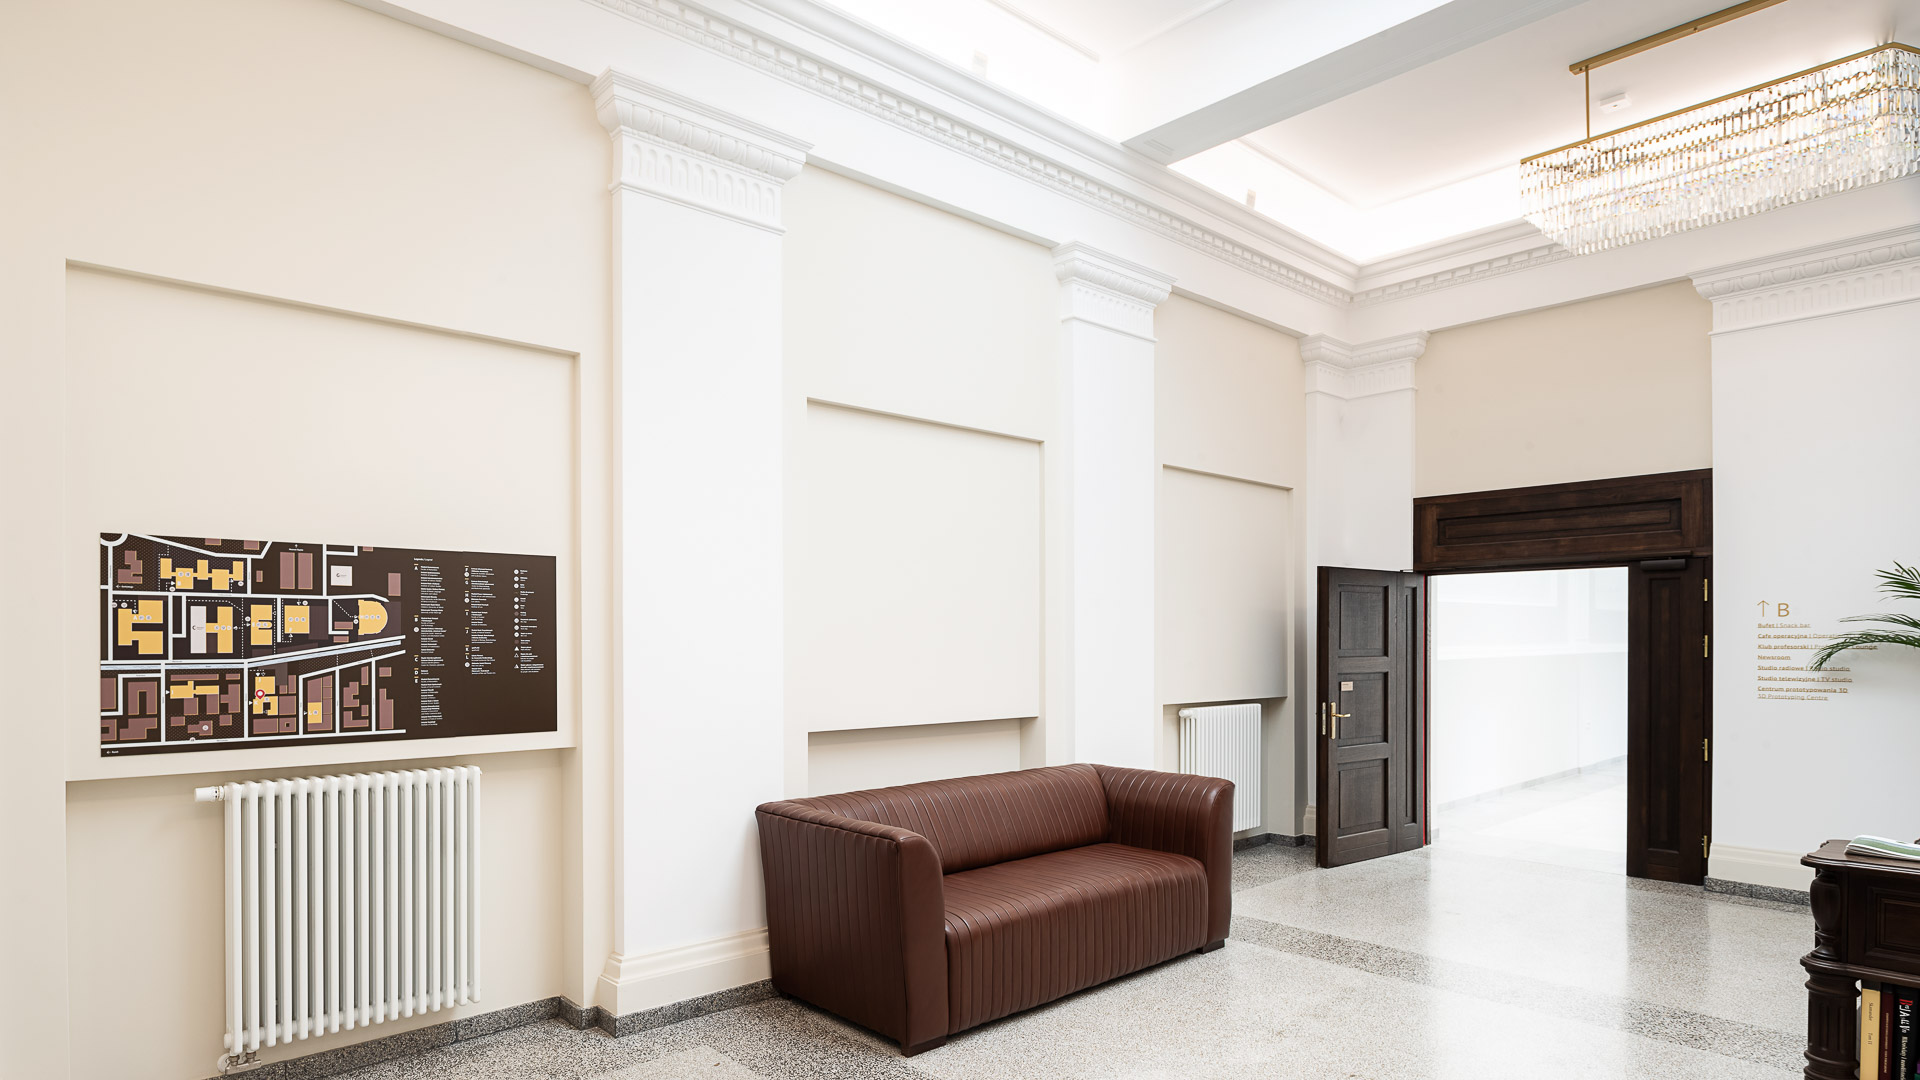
x=1186 y=815
x=856 y=920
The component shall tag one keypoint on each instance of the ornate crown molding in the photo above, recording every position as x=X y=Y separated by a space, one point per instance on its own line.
x=1865 y=272
x=1341 y=370
x=1463 y=274
x=1108 y=291
x=777 y=58
x=674 y=148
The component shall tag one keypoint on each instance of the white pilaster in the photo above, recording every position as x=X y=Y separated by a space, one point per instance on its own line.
x=1100 y=479
x=697 y=344
x=1360 y=450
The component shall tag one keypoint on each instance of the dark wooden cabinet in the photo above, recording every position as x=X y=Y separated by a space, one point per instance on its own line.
x=1866 y=925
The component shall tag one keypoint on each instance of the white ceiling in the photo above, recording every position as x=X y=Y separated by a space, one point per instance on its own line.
x=1108 y=28
x=1370 y=126
x=1489 y=105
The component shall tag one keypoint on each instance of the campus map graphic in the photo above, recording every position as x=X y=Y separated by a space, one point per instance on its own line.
x=212 y=644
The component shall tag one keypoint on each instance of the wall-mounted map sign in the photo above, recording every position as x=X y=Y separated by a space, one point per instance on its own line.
x=223 y=644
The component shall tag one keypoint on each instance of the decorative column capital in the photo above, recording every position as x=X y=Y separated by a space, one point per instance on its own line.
x=677 y=149
x=1108 y=291
x=1864 y=272
x=1350 y=371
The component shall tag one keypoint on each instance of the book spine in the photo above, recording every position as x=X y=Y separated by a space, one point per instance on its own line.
x=1903 y=1034
x=1869 y=1033
x=1887 y=992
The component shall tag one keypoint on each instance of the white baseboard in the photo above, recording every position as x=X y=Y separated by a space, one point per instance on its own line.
x=1310 y=822
x=630 y=984
x=1759 y=866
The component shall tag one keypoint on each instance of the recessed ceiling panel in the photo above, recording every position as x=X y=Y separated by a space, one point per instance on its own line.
x=1487 y=106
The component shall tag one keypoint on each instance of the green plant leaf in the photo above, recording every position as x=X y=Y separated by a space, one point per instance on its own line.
x=1855 y=640
x=1901 y=581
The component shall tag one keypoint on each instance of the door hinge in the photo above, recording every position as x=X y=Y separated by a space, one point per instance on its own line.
x=1704 y=594
x=1703 y=847
x=1706 y=648
x=1705 y=753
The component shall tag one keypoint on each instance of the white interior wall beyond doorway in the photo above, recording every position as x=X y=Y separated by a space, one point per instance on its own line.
x=1528 y=711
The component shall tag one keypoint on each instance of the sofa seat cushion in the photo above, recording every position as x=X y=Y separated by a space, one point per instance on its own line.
x=1025 y=932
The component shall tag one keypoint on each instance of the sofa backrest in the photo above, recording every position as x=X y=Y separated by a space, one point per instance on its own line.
x=981 y=820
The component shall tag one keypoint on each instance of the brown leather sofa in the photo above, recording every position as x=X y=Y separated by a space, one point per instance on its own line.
x=924 y=910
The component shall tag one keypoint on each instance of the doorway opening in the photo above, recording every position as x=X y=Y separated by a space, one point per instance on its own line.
x=1528 y=715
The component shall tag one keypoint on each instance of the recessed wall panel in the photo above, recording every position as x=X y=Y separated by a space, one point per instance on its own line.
x=913 y=575
x=1224 y=598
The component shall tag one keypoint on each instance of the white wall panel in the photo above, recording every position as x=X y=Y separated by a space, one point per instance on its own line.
x=1225 y=567
x=1814 y=442
x=264 y=419
x=895 y=306
x=1229 y=394
x=881 y=757
x=914 y=574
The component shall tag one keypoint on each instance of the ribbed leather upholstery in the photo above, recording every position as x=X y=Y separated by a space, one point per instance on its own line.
x=1023 y=933
x=981 y=820
x=854 y=920
x=923 y=910
x=1190 y=815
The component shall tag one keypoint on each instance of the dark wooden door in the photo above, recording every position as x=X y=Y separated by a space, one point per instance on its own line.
x=1667 y=747
x=1371 y=781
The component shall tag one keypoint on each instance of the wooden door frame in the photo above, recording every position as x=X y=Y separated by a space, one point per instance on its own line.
x=1620 y=521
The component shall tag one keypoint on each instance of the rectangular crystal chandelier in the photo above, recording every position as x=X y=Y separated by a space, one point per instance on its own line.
x=1842 y=125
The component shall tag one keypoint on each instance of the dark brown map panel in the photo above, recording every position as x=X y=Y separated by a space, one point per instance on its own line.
x=213 y=644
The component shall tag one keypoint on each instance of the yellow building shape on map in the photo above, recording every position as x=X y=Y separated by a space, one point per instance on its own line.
x=221 y=627
x=314 y=719
x=144 y=613
x=222 y=577
x=263 y=694
x=261 y=619
x=294 y=619
x=373 y=616
x=189 y=689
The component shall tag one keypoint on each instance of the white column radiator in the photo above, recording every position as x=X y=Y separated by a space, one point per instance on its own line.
x=351 y=900
x=1224 y=741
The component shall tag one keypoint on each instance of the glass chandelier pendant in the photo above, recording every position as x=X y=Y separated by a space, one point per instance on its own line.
x=1836 y=127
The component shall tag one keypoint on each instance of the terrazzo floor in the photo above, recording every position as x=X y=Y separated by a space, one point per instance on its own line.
x=1439 y=963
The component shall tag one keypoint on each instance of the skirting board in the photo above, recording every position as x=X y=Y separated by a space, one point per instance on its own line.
x=1758 y=866
x=633 y=984
x=1262 y=839
x=419 y=1040
x=342 y=1059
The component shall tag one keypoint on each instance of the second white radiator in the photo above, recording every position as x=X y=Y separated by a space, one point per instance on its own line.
x=351 y=900
x=1224 y=741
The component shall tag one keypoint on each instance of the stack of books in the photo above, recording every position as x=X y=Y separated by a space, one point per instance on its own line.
x=1889 y=1032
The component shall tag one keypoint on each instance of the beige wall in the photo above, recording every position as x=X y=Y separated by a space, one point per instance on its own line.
x=1231 y=436
x=1617 y=386
x=245 y=221
x=920 y=355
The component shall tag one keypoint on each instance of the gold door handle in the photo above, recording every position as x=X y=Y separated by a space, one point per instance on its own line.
x=1337 y=717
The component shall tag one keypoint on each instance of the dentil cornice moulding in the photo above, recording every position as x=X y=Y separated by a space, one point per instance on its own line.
x=1831 y=279
x=1341 y=370
x=782 y=60
x=677 y=149
x=1108 y=291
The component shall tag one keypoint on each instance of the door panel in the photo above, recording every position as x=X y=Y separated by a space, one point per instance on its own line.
x=1370 y=794
x=1667 y=648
